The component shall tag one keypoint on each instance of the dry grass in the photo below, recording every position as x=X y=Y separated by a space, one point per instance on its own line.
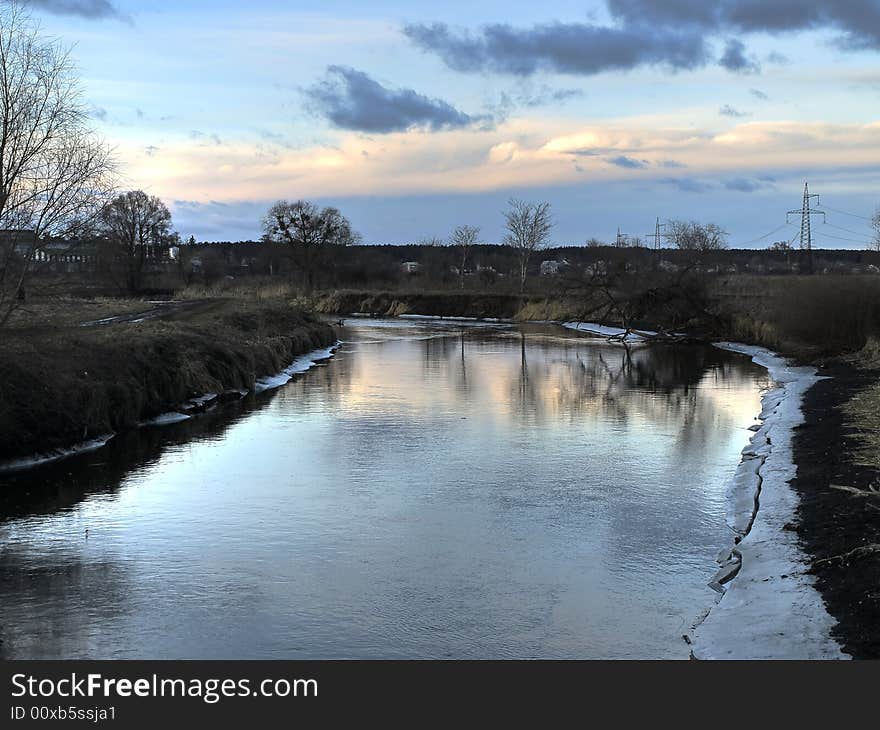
x=66 y=311
x=255 y=288
x=862 y=412
x=808 y=316
x=59 y=386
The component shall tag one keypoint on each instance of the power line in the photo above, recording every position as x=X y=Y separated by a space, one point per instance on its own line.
x=843 y=212
x=766 y=235
x=851 y=240
x=847 y=230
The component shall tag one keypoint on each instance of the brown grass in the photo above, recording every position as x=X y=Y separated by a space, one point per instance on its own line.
x=64 y=385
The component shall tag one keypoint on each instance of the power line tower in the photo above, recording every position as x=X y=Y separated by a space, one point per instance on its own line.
x=658 y=235
x=806 y=232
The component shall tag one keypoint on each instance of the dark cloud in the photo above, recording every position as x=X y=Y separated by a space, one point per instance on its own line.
x=671 y=164
x=571 y=48
x=350 y=99
x=687 y=184
x=629 y=163
x=92 y=9
x=856 y=21
x=675 y=34
x=650 y=12
x=735 y=59
x=98 y=112
x=729 y=111
x=758 y=94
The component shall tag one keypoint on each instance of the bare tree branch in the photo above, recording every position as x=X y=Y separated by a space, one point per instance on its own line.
x=54 y=172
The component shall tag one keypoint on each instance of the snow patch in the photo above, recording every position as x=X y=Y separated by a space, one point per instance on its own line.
x=164 y=419
x=300 y=365
x=601 y=330
x=771 y=608
x=27 y=462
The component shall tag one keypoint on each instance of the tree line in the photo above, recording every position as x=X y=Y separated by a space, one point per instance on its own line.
x=59 y=181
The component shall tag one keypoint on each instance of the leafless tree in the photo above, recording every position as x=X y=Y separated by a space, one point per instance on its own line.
x=693 y=236
x=463 y=239
x=54 y=172
x=875 y=224
x=137 y=228
x=783 y=246
x=528 y=228
x=309 y=231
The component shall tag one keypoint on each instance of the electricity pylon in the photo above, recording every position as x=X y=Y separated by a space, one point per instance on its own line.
x=806 y=231
x=658 y=235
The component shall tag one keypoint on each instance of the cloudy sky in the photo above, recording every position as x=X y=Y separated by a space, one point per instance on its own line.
x=414 y=117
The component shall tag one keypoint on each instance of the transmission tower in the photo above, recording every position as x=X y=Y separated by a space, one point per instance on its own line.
x=806 y=232
x=658 y=235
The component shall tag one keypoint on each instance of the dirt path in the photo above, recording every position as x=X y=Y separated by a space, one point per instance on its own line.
x=177 y=310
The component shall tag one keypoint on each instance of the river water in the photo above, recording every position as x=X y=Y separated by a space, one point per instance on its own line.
x=436 y=490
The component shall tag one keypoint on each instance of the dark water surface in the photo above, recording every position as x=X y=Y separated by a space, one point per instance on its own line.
x=436 y=490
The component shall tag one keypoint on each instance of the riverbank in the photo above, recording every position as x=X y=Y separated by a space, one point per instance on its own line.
x=770 y=608
x=65 y=382
x=800 y=581
x=838 y=516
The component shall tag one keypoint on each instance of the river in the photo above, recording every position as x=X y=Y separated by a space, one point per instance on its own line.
x=436 y=490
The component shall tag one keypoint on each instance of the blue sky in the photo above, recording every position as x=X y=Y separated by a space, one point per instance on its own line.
x=415 y=117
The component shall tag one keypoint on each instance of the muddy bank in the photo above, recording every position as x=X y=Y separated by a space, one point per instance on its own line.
x=69 y=385
x=838 y=527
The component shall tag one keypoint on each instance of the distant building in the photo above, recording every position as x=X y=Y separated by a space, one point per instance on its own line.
x=410 y=267
x=22 y=241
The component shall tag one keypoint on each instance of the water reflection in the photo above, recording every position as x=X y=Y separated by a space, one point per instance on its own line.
x=435 y=490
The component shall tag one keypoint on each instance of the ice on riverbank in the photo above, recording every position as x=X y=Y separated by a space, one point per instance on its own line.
x=165 y=419
x=300 y=365
x=601 y=330
x=47 y=457
x=771 y=608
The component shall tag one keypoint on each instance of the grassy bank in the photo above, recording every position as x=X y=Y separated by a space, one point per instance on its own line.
x=63 y=383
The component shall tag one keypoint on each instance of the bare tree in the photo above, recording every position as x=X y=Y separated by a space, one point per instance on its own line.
x=138 y=229
x=693 y=236
x=309 y=231
x=463 y=238
x=528 y=228
x=875 y=224
x=54 y=172
x=784 y=246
